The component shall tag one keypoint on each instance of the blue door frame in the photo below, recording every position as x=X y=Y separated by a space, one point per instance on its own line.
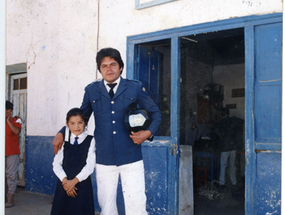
x=263 y=115
x=254 y=165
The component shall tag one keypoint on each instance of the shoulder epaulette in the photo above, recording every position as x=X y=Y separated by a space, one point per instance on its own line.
x=97 y=80
x=90 y=84
x=94 y=82
x=135 y=80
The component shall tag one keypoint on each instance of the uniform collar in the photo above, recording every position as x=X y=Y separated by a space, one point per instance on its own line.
x=81 y=137
x=116 y=87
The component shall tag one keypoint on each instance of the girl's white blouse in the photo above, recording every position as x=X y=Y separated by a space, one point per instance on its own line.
x=90 y=160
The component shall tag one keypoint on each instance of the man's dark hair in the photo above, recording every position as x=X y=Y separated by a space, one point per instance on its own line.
x=109 y=52
x=9 y=105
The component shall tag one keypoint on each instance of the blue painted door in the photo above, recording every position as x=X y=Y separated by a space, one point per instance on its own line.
x=149 y=71
x=160 y=156
x=263 y=118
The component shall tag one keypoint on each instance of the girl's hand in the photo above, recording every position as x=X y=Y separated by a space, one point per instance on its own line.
x=69 y=185
x=64 y=180
x=72 y=193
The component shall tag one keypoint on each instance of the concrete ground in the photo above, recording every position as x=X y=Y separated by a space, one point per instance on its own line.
x=27 y=203
x=207 y=201
x=214 y=200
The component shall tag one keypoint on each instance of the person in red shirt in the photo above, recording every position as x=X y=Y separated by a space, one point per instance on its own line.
x=12 y=152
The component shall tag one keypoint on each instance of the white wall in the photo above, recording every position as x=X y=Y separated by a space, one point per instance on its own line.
x=58 y=41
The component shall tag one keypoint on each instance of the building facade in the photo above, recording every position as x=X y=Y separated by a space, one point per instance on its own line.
x=182 y=51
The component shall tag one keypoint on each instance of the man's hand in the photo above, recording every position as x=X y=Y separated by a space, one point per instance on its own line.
x=57 y=142
x=140 y=136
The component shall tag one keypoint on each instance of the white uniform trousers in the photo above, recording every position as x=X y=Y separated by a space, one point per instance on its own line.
x=11 y=169
x=224 y=162
x=133 y=186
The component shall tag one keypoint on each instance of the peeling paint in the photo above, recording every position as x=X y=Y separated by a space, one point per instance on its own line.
x=268 y=81
x=30 y=56
x=268 y=182
x=275 y=212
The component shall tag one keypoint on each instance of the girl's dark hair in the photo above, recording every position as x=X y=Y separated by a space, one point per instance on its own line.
x=76 y=112
x=109 y=52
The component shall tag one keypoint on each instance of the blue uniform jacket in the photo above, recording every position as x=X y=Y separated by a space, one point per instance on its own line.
x=113 y=144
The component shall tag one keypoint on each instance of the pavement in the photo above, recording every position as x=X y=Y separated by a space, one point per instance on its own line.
x=27 y=203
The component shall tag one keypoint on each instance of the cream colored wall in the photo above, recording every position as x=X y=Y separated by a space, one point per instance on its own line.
x=58 y=41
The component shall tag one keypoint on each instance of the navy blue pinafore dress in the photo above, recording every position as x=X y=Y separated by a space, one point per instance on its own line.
x=74 y=159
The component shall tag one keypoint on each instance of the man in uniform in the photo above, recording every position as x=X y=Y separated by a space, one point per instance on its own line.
x=117 y=151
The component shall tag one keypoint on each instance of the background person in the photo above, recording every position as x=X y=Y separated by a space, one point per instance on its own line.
x=230 y=132
x=12 y=153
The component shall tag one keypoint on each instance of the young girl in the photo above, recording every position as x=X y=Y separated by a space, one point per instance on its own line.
x=73 y=165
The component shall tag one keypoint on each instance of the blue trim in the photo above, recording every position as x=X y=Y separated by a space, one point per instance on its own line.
x=175 y=125
x=266 y=146
x=250 y=167
x=220 y=25
x=175 y=89
x=130 y=60
x=39 y=176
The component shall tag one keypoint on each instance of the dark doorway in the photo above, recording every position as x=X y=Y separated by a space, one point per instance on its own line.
x=212 y=79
